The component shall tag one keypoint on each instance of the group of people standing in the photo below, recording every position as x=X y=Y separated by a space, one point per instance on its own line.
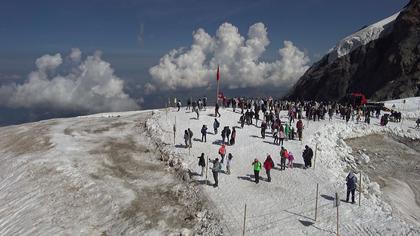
x=281 y=131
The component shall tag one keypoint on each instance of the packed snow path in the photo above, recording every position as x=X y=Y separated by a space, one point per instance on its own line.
x=286 y=205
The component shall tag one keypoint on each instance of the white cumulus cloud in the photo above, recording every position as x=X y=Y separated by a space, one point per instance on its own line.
x=75 y=55
x=239 y=59
x=50 y=62
x=91 y=86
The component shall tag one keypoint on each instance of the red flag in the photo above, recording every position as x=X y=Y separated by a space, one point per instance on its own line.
x=218 y=74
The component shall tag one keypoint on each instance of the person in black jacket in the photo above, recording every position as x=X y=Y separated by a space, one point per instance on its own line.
x=227 y=133
x=351 y=182
x=202 y=163
x=190 y=135
x=307 y=156
x=204 y=133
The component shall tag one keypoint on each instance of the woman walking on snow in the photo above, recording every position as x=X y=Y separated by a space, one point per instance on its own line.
x=268 y=165
x=281 y=136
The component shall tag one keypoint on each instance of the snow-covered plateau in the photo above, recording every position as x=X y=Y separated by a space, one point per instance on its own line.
x=127 y=174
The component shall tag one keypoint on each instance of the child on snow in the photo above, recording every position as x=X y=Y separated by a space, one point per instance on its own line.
x=257 y=167
x=222 y=152
x=290 y=158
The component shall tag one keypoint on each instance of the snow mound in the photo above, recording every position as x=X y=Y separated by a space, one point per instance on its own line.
x=362 y=37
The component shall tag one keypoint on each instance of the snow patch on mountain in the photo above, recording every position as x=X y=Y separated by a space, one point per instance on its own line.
x=362 y=37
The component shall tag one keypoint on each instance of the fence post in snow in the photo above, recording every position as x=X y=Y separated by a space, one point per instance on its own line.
x=316 y=201
x=243 y=230
x=207 y=168
x=166 y=111
x=337 y=203
x=174 y=129
x=360 y=187
x=316 y=148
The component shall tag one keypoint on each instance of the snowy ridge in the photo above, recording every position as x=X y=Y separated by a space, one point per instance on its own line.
x=362 y=37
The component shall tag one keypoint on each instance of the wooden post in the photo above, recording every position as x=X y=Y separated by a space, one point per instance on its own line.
x=174 y=129
x=207 y=169
x=316 y=148
x=243 y=230
x=360 y=187
x=166 y=111
x=338 y=205
x=316 y=201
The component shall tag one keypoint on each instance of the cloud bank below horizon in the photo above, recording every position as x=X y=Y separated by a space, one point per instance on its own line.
x=85 y=86
x=239 y=61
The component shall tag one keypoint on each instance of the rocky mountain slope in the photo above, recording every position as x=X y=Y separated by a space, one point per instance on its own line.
x=382 y=61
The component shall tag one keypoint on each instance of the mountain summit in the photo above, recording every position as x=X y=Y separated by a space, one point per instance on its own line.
x=381 y=60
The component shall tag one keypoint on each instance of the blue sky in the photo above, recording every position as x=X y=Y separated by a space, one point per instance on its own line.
x=133 y=35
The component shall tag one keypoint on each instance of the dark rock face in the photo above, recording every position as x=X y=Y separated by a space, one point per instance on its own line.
x=386 y=68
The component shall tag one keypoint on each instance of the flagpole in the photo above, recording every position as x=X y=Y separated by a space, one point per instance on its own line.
x=217 y=92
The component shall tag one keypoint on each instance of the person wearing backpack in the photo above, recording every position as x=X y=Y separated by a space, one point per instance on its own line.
x=216 y=125
x=202 y=163
x=307 y=156
x=268 y=165
x=257 y=167
x=351 y=182
x=190 y=135
x=283 y=156
x=204 y=133
x=217 y=167
x=228 y=162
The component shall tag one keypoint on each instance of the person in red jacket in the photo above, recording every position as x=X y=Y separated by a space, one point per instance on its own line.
x=222 y=153
x=268 y=165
